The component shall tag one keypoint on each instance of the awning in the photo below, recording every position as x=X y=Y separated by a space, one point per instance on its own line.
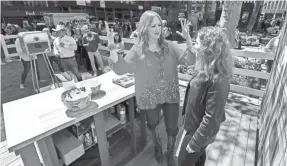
x=26 y=13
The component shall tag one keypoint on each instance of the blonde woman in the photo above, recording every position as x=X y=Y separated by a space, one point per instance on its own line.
x=205 y=98
x=154 y=62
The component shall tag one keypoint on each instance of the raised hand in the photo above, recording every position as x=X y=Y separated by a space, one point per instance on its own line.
x=110 y=33
x=185 y=34
x=185 y=29
x=111 y=45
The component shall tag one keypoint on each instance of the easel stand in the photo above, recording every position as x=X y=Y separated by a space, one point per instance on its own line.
x=35 y=80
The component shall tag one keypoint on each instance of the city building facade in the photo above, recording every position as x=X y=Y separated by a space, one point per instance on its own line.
x=274 y=8
x=14 y=12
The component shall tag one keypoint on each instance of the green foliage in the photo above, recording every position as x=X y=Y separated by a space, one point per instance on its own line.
x=240 y=80
x=246 y=81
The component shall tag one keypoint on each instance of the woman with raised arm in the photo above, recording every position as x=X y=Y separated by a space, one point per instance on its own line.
x=118 y=42
x=154 y=62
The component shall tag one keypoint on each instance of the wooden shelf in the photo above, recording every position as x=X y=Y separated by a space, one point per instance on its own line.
x=91 y=146
x=110 y=121
x=112 y=126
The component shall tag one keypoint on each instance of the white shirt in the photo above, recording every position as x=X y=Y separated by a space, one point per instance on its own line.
x=22 y=55
x=52 y=38
x=69 y=48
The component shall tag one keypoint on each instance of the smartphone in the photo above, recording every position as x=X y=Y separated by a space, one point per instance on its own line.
x=181 y=16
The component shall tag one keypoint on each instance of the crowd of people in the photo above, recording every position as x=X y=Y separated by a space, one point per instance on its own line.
x=83 y=38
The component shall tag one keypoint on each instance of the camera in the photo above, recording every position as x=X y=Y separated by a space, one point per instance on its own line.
x=33 y=43
x=181 y=16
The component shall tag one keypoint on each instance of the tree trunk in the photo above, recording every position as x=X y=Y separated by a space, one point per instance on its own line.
x=258 y=5
x=229 y=19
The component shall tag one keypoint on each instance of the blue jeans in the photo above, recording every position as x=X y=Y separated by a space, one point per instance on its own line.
x=70 y=64
x=170 y=113
x=27 y=67
x=56 y=60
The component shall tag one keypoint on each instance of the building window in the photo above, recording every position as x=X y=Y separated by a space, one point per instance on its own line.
x=43 y=3
x=56 y=3
x=284 y=5
x=277 y=5
x=265 y=5
x=272 y=5
x=268 y=5
x=7 y=3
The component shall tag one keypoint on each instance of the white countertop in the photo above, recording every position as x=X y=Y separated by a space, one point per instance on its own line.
x=32 y=118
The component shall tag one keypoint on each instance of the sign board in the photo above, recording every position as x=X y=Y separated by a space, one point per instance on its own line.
x=155 y=8
x=140 y=7
x=34 y=13
x=82 y=18
x=81 y=2
x=102 y=4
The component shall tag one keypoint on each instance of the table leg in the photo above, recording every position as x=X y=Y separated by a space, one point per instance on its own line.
x=48 y=151
x=102 y=139
x=29 y=155
x=143 y=127
x=131 y=110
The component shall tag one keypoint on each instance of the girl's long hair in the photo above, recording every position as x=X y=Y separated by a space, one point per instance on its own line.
x=215 y=60
x=120 y=39
x=144 y=23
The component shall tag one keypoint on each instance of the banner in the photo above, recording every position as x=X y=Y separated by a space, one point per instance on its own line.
x=155 y=8
x=81 y=2
x=102 y=4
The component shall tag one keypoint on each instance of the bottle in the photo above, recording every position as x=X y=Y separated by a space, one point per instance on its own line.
x=112 y=110
x=88 y=140
x=123 y=115
x=93 y=127
x=118 y=110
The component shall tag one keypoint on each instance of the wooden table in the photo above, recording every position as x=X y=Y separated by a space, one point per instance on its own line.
x=32 y=120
